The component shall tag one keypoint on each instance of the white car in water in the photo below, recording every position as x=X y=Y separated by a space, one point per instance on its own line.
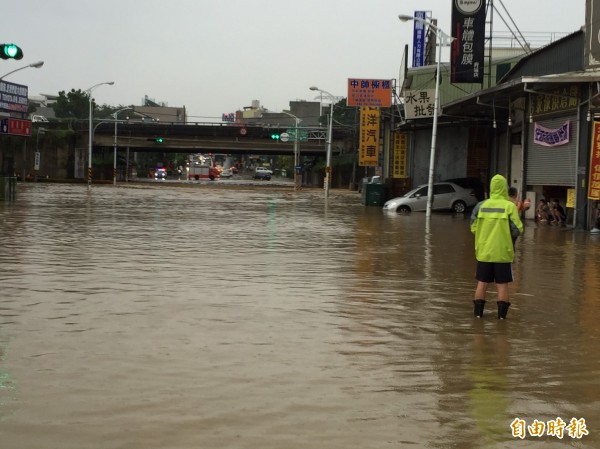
x=446 y=196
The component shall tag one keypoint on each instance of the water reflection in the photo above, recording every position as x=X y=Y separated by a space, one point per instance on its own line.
x=165 y=316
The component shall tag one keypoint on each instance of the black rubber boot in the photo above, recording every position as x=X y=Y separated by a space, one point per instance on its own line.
x=478 y=305
x=502 y=309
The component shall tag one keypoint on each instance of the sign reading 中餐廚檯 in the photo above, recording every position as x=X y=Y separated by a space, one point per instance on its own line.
x=369 y=92
x=369 y=137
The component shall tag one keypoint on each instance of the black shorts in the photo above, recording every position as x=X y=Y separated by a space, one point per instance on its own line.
x=498 y=272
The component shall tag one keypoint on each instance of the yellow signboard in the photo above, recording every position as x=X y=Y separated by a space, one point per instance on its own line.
x=369 y=137
x=400 y=154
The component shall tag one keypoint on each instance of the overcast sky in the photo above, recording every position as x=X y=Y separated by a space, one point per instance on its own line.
x=216 y=56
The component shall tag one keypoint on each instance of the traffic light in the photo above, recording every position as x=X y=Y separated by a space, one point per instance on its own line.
x=156 y=139
x=10 y=51
x=275 y=136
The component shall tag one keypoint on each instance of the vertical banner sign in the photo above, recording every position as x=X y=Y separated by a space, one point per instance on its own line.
x=400 y=153
x=419 y=32
x=592 y=35
x=594 y=181
x=369 y=137
x=468 y=31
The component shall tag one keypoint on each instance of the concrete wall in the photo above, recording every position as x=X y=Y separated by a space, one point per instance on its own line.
x=450 y=158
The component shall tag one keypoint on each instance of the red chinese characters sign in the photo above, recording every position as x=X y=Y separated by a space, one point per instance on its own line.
x=15 y=126
x=374 y=93
x=594 y=181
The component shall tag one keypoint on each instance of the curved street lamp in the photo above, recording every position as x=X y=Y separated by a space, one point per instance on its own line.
x=441 y=38
x=90 y=130
x=130 y=108
x=296 y=149
x=329 y=139
x=35 y=65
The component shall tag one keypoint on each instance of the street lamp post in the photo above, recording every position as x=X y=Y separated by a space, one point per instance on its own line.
x=115 y=145
x=90 y=130
x=35 y=65
x=440 y=35
x=329 y=139
x=296 y=149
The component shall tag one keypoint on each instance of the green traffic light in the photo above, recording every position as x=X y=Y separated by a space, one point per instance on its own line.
x=10 y=51
x=159 y=140
x=275 y=136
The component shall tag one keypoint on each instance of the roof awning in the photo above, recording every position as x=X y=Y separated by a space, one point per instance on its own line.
x=483 y=104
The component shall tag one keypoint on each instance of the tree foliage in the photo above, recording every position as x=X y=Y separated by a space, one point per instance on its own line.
x=75 y=104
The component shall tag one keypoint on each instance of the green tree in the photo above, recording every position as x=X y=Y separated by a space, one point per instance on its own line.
x=73 y=104
x=76 y=104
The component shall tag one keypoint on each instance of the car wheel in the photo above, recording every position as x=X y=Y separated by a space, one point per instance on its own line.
x=459 y=207
x=211 y=177
x=403 y=210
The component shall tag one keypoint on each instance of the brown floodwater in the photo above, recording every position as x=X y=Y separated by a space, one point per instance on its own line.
x=160 y=316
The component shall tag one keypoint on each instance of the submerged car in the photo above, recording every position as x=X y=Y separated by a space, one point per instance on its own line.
x=446 y=196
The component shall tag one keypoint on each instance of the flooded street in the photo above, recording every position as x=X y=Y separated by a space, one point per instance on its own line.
x=157 y=316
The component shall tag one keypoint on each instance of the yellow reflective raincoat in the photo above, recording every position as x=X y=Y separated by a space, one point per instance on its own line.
x=494 y=222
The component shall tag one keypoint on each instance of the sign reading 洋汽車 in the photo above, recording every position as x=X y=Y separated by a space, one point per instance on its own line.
x=13 y=97
x=369 y=92
x=369 y=137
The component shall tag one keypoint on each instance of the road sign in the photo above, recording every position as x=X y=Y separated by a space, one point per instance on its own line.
x=36 y=163
x=302 y=134
x=284 y=137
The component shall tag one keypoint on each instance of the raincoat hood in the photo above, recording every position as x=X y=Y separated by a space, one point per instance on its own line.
x=499 y=188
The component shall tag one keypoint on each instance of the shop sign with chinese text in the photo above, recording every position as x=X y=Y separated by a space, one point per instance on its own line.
x=369 y=92
x=369 y=137
x=419 y=103
x=594 y=181
x=400 y=155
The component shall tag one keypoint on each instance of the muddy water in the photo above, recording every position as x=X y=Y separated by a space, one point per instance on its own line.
x=187 y=317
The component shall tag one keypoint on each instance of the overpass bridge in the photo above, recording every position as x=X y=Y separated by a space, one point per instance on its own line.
x=227 y=138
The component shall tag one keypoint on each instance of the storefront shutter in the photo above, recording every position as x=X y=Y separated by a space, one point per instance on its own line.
x=553 y=165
